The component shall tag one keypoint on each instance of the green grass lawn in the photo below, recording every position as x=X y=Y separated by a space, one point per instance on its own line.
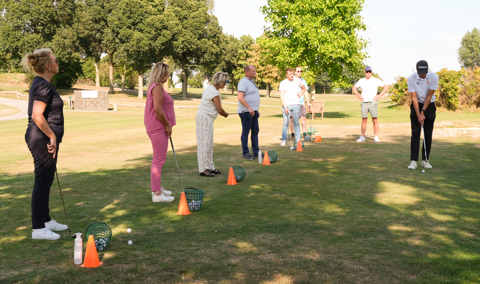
x=6 y=110
x=339 y=212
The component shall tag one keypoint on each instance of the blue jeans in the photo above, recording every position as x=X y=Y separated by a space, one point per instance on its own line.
x=249 y=123
x=294 y=112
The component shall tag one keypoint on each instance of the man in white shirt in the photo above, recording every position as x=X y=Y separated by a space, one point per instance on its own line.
x=291 y=103
x=303 y=109
x=422 y=86
x=368 y=98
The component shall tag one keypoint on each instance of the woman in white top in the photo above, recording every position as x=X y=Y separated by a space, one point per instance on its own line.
x=208 y=110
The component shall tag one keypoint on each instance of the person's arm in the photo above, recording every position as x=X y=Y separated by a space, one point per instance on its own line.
x=355 y=92
x=241 y=99
x=282 y=98
x=37 y=116
x=428 y=99
x=157 y=94
x=302 y=92
x=218 y=104
x=420 y=116
x=385 y=89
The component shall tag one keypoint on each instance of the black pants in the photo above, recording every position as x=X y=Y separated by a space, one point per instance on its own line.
x=249 y=123
x=45 y=166
x=430 y=115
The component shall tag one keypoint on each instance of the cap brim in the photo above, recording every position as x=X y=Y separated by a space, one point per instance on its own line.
x=422 y=71
x=227 y=81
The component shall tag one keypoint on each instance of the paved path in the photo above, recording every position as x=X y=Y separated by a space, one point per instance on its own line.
x=21 y=104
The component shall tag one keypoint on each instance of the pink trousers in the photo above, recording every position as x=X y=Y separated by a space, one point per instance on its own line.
x=159 y=141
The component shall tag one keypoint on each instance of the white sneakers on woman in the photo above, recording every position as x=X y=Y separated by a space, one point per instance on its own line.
x=164 y=197
x=44 y=234
x=55 y=227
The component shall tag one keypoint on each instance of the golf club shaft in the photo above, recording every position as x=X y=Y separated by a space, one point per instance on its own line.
x=64 y=209
x=175 y=155
x=251 y=133
x=424 y=143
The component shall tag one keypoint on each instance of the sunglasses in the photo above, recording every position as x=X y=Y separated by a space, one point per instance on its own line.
x=299 y=71
x=368 y=71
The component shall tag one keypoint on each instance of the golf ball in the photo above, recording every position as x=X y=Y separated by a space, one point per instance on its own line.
x=291 y=148
x=130 y=242
x=423 y=171
x=129 y=230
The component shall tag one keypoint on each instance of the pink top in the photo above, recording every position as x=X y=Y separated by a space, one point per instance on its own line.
x=151 y=120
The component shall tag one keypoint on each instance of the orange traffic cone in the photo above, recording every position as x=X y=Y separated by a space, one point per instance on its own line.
x=299 y=146
x=183 y=206
x=266 y=159
x=91 y=256
x=231 y=178
x=318 y=138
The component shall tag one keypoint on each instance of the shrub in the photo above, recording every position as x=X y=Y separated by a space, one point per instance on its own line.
x=470 y=87
x=399 y=91
x=448 y=88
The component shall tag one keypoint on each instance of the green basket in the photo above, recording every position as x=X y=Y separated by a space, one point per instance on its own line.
x=272 y=156
x=102 y=233
x=239 y=173
x=194 y=198
x=295 y=145
x=311 y=131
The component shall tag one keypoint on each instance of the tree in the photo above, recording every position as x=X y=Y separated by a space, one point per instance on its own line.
x=142 y=33
x=229 y=61
x=27 y=25
x=196 y=37
x=469 y=51
x=322 y=36
x=266 y=73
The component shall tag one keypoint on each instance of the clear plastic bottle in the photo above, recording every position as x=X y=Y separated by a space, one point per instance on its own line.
x=77 y=255
x=260 y=158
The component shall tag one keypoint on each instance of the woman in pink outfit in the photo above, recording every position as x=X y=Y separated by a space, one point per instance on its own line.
x=159 y=120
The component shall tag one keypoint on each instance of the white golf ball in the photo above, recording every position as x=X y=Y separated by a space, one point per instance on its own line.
x=291 y=148
x=423 y=171
x=129 y=230
x=130 y=243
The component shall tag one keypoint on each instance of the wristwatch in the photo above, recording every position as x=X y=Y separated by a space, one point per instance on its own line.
x=422 y=109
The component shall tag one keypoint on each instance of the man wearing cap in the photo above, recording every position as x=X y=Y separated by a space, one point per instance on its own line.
x=422 y=86
x=248 y=106
x=368 y=98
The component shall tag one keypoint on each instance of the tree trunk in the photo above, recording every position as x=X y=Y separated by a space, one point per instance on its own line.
x=123 y=76
x=140 y=84
x=110 y=67
x=268 y=90
x=184 y=83
x=97 y=74
x=312 y=91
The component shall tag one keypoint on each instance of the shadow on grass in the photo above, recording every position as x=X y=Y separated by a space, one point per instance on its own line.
x=338 y=212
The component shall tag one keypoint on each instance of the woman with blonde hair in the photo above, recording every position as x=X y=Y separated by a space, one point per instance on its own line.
x=159 y=119
x=208 y=110
x=43 y=136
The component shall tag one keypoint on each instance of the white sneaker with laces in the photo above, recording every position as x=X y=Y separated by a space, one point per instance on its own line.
x=166 y=192
x=162 y=198
x=284 y=143
x=426 y=164
x=44 y=234
x=55 y=227
x=413 y=165
x=376 y=139
x=361 y=139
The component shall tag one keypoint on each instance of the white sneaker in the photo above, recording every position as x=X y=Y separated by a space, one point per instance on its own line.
x=413 y=165
x=376 y=139
x=55 y=227
x=361 y=139
x=44 y=234
x=166 y=192
x=162 y=198
x=284 y=143
x=426 y=164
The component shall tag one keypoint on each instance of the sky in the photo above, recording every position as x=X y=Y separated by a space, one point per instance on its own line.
x=400 y=32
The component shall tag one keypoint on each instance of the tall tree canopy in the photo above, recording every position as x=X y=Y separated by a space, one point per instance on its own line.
x=469 y=51
x=322 y=36
x=197 y=37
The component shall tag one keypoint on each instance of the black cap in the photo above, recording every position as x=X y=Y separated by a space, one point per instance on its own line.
x=422 y=67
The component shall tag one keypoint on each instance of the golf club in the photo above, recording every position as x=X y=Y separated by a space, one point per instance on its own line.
x=61 y=195
x=424 y=143
x=251 y=141
x=175 y=155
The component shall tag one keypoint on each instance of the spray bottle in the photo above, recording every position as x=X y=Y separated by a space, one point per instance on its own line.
x=260 y=158
x=77 y=256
